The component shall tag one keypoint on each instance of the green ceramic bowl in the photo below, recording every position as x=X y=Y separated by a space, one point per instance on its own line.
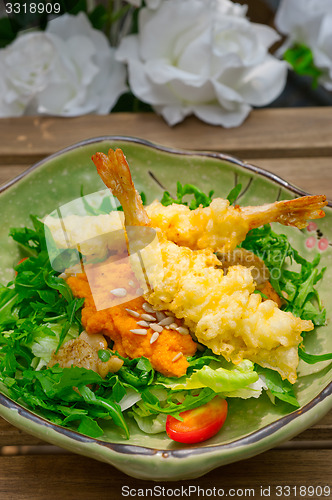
x=252 y=426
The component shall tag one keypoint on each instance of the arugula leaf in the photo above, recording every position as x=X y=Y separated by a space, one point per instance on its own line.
x=297 y=289
x=52 y=392
x=281 y=389
x=234 y=193
x=58 y=284
x=8 y=299
x=136 y=372
x=200 y=198
x=172 y=406
x=313 y=358
x=187 y=189
x=112 y=407
x=89 y=427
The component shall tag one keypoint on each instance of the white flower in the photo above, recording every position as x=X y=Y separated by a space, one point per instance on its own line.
x=202 y=57
x=309 y=23
x=68 y=70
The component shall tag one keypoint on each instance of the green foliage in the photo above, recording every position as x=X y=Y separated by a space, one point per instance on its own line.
x=187 y=189
x=301 y=59
x=233 y=195
x=280 y=389
x=98 y=17
x=8 y=31
x=38 y=312
x=297 y=286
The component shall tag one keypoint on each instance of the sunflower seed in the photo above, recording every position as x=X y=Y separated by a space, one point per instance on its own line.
x=143 y=323
x=156 y=328
x=183 y=330
x=148 y=317
x=135 y=314
x=166 y=321
x=64 y=276
x=119 y=292
x=160 y=315
x=139 y=331
x=177 y=356
x=147 y=308
x=154 y=337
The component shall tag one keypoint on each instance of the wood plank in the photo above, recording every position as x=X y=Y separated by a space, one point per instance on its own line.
x=266 y=133
x=71 y=477
x=11 y=436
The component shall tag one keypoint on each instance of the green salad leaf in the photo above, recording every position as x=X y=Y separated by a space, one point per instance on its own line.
x=280 y=389
x=313 y=358
x=136 y=372
x=234 y=193
x=38 y=313
x=199 y=198
x=176 y=401
x=296 y=288
x=220 y=380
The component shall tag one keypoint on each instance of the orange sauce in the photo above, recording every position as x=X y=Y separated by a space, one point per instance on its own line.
x=111 y=318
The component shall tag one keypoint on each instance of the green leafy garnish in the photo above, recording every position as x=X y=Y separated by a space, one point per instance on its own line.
x=314 y=358
x=234 y=193
x=38 y=313
x=200 y=198
x=280 y=389
x=136 y=372
x=62 y=395
x=296 y=288
x=172 y=405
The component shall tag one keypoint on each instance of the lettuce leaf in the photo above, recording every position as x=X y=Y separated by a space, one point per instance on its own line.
x=220 y=380
x=45 y=340
x=150 y=424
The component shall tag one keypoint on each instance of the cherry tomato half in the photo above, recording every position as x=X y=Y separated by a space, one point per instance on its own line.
x=198 y=424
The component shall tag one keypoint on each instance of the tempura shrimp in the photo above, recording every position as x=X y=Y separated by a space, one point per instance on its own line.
x=222 y=226
x=220 y=310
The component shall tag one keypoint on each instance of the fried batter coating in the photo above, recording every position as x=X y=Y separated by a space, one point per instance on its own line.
x=221 y=310
x=221 y=226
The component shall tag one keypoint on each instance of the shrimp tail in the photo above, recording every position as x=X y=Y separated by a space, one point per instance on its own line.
x=114 y=172
x=287 y=212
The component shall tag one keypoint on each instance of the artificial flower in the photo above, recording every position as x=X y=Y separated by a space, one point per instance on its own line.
x=202 y=57
x=68 y=70
x=309 y=23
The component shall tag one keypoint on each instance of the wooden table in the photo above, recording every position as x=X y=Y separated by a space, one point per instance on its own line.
x=293 y=143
